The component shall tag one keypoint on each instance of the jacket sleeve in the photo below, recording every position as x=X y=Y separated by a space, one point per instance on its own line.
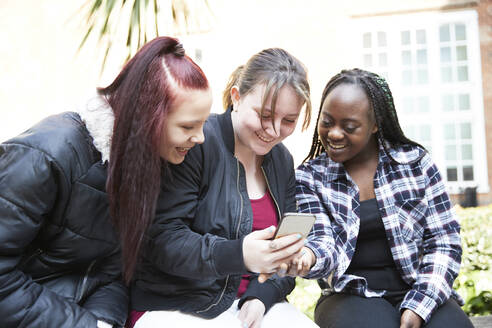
x=174 y=247
x=442 y=251
x=28 y=191
x=272 y=291
x=321 y=238
x=115 y=310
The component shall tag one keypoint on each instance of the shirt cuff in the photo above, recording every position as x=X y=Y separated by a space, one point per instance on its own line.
x=266 y=292
x=419 y=303
x=318 y=265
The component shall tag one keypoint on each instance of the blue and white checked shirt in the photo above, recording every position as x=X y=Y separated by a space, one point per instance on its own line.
x=421 y=228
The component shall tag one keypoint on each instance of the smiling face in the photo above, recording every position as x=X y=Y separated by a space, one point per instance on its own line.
x=347 y=126
x=183 y=127
x=247 y=119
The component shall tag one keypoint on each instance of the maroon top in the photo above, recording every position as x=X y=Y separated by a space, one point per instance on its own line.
x=264 y=216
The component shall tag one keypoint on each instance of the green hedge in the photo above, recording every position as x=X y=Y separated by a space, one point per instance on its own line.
x=474 y=282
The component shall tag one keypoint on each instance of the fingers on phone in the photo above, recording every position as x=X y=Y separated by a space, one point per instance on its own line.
x=285 y=241
x=287 y=253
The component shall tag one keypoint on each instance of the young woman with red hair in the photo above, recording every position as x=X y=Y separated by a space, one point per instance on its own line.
x=65 y=179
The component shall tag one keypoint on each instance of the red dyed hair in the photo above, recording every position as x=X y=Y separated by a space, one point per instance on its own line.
x=141 y=96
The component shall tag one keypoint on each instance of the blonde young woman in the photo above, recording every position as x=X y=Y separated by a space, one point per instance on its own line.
x=210 y=238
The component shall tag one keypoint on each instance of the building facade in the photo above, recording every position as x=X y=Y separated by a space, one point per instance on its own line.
x=437 y=59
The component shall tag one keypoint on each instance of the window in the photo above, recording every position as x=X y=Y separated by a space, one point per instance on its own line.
x=453 y=52
x=375 y=53
x=413 y=50
x=432 y=64
x=458 y=153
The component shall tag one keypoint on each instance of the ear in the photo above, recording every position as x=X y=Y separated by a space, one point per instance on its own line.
x=375 y=128
x=372 y=118
x=235 y=95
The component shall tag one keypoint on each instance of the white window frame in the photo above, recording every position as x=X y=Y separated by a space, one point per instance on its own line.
x=430 y=22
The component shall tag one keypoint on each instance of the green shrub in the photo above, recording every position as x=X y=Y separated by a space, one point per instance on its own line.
x=474 y=283
x=305 y=295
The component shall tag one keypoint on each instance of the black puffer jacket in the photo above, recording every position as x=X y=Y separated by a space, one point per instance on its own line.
x=194 y=261
x=59 y=258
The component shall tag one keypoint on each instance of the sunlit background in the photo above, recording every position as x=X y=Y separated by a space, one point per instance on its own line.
x=436 y=55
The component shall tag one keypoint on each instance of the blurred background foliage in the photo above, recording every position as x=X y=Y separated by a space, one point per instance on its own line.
x=135 y=22
x=474 y=283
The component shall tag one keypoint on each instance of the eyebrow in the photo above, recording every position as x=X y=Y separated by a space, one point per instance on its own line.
x=343 y=120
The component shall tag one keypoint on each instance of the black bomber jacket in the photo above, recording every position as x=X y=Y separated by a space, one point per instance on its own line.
x=193 y=259
x=59 y=255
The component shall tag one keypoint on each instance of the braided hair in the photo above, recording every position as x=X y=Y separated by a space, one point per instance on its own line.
x=381 y=99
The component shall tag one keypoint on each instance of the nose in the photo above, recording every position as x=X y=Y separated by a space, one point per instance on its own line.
x=273 y=128
x=335 y=133
x=199 y=137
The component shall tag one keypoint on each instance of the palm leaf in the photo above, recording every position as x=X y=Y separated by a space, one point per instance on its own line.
x=140 y=18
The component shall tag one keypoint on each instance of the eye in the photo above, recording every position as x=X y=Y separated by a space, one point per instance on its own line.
x=326 y=123
x=265 y=116
x=350 y=129
x=185 y=127
x=289 y=121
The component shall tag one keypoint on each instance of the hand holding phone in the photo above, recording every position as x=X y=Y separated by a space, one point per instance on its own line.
x=292 y=223
x=261 y=254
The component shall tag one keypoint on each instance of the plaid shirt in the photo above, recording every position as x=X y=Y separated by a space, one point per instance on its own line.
x=420 y=225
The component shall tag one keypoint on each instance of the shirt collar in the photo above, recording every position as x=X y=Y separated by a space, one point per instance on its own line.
x=402 y=155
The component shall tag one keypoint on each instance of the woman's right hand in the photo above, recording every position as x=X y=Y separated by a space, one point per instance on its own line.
x=262 y=255
x=299 y=266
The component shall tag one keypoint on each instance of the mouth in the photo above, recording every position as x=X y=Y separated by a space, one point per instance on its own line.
x=183 y=150
x=263 y=138
x=335 y=146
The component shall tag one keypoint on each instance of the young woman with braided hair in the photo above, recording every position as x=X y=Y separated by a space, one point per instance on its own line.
x=385 y=245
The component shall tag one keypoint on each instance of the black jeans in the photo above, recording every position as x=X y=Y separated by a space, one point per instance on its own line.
x=350 y=311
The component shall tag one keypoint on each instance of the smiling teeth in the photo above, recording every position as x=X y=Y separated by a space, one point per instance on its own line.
x=183 y=148
x=337 y=146
x=264 y=139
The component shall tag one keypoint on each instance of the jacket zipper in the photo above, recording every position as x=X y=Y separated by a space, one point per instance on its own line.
x=84 y=282
x=237 y=236
x=242 y=201
x=271 y=194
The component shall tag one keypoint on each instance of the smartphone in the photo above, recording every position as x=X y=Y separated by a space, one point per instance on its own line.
x=295 y=223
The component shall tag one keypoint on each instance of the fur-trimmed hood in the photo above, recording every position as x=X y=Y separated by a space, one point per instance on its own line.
x=98 y=117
